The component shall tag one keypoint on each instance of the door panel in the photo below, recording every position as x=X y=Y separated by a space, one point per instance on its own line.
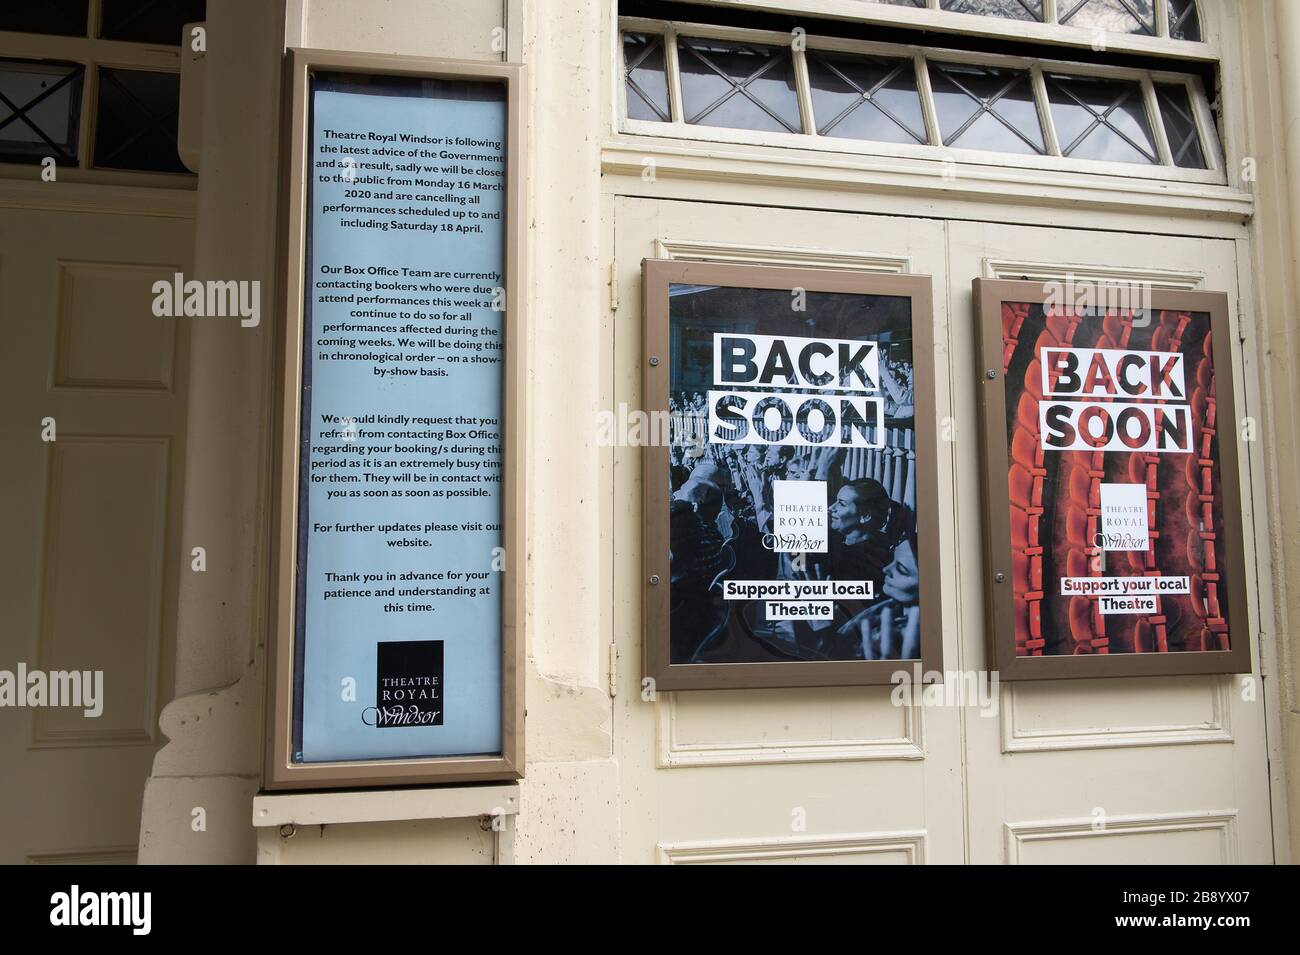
x=1158 y=770
x=1169 y=769
x=762 y=776
x=91 y=558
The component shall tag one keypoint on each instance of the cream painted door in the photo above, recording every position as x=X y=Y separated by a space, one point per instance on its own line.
x=1156 y=770
x=91 y=554
x=1150 y=770
x=823 y=775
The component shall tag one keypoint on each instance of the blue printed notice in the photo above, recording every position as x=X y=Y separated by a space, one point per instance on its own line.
x=398 y=631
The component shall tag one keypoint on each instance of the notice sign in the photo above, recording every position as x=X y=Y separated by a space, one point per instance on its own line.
x=398 y=648
x=1118 y=489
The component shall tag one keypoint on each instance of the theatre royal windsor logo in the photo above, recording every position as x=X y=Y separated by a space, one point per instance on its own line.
x=408 y=685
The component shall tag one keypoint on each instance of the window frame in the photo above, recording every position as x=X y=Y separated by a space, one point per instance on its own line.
x=931 y=17
x=92 y=53
x=810 y=140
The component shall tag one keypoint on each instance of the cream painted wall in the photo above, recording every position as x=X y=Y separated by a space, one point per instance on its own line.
x=570 y=799
x=379 y=843
x=463 y=30
x=568 y=804
x=1271 y=33
x=213 y=759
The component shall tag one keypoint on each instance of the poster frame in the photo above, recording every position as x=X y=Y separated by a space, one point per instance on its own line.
x=989 y=295
x=657 y=276
x=279 y=771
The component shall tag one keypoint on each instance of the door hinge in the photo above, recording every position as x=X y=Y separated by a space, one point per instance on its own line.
x=613 y=670
x=613 y=286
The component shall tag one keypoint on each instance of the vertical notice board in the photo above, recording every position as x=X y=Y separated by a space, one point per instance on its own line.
x=397 y=653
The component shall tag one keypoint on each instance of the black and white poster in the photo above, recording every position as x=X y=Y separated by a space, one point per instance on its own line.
x=792 y=476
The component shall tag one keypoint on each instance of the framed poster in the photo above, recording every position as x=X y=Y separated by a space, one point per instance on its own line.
x=1113 y=503
x=791 y=528
x=398 y=653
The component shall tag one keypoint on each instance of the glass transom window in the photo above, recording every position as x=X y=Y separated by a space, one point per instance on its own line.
x=1101 y=119
x=1174 y=19
x=745 y=86
x=866 y=97
x=984 y=107
x=95 y=84
x=845 y=95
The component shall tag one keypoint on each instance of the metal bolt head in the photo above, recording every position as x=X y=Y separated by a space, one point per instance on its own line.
x=654 y=360
x=654 y=579
x=991 y=374
x=1000 y=578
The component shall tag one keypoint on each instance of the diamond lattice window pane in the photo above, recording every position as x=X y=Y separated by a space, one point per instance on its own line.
x=645 y=77
x=149 y=21
x=1113 y=16
x=135 y=127
x=982 y=107
x=859 y=97
x=1101 y=119
x=40 y=104
x=1006 y=9
x=1180 y=126
x=739 y=85
x=53 y=17
x=1184 y=20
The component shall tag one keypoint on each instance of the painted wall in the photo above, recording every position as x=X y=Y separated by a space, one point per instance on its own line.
x=570 y=803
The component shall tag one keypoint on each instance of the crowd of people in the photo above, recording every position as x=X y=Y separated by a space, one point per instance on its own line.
x=721 y=528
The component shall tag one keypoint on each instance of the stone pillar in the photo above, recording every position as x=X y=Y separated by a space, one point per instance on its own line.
x=211 y=767
x=1271 y=37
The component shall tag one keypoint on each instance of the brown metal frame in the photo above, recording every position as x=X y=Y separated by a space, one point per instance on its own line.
x=657 y=275
x=989 y=294
x=279 y=772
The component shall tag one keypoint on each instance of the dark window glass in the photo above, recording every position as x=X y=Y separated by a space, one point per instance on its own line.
x=1101 y=119
x=982 y=107
x=860 y=97
x=1007 y=9
x=57 y=17
x=1180 y=126
x=644 y=75
x=150 y=21
x=1113 y=16
x=40 y=104
x=1184 y=21
x=136 y=124
x=740 y=85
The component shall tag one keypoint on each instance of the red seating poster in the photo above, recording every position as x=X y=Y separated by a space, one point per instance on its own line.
x=1122 y=526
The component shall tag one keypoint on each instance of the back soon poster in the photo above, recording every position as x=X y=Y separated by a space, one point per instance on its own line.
x=793 y=476
x=1121 y=507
